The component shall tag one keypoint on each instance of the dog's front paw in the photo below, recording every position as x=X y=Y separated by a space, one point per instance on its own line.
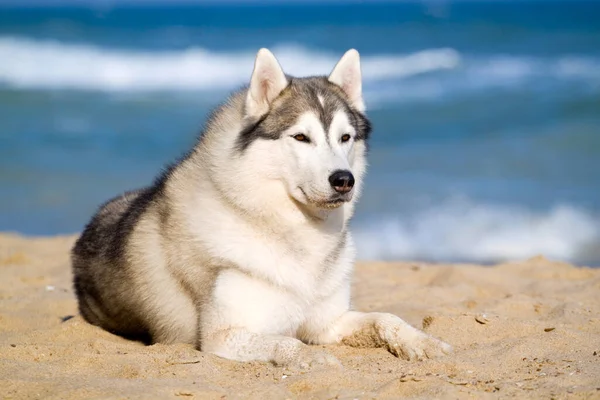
x=419 y=347
x=407 y=342
x=312 y=358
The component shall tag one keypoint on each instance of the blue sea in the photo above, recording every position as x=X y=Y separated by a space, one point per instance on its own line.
x=486 y=115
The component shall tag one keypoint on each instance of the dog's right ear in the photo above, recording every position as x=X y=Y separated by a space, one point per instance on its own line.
x=268 y=80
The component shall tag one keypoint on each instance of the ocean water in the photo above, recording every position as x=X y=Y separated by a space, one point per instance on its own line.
x=486 y=115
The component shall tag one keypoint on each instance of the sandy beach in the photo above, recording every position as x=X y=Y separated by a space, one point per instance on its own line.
x=527 y=329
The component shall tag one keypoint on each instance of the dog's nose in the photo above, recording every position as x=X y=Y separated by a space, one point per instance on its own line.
x=342 y=181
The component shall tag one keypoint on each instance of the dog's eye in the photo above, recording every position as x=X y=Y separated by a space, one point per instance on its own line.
x=345 y=138
x=301 y=138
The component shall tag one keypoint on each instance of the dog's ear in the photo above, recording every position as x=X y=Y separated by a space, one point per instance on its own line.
x=347 y=75
x=268 y=80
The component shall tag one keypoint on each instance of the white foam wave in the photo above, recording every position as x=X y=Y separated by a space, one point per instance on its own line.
x=509 y=70
x=48 y=64
x=485 y=74
x=462 y=231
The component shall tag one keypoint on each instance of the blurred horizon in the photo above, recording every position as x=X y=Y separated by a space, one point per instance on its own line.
x=486 y=113
x=84 y=3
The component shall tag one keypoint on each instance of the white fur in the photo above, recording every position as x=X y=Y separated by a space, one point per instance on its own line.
x=307 y=166
x=276 y=242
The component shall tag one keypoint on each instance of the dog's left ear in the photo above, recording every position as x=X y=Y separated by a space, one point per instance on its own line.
x=347 y=75
x=268 y=80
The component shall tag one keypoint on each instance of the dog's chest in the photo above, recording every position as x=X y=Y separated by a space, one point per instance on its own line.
x=303 y=263
x=275 y=289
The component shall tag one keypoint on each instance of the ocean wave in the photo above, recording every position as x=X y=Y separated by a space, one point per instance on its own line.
x=49 y=64
x=466 y=232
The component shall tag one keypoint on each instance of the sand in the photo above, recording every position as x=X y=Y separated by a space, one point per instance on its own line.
x=528 y=329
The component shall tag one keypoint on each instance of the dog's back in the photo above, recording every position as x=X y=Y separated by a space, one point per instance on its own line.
x=101 y=278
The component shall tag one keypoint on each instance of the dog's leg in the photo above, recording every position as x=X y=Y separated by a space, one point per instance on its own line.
x=242 y=345
x=331 y=323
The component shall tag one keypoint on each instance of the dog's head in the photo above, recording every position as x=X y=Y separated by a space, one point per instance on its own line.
x=307 y=133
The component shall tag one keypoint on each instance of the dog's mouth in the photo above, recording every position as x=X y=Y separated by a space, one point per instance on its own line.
x=333 y=202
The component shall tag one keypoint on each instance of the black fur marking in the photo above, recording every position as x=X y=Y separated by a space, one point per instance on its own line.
x=361 y=124
x=252 y=132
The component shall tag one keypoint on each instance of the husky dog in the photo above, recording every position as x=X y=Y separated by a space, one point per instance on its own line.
x=242 y=248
